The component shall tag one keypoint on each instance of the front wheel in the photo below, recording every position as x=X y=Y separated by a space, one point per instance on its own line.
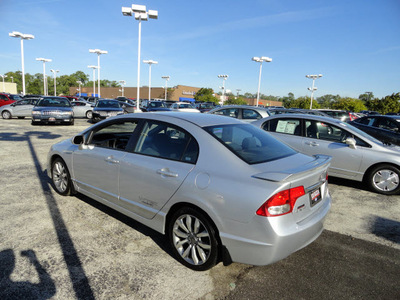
x=193 y=239
x=60 y=177
x=89 y=114
x=6 y=114
x=384 y=179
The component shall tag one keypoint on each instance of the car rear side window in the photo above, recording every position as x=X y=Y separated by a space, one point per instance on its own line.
x=288 y=126
x=250 y=114
x=167 y=141
x=250 y=143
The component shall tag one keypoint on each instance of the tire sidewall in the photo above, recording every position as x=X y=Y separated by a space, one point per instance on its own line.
x=377 y=169
x=67 y=191
x=212 y=259
x=6 y=114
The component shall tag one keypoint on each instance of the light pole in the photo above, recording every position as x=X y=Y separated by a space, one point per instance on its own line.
x=141 y=15
x=122 y=82
x=224 y=77
x=312 y=89
x=4 y=87
x=12 y=79
x=23 y=37
x=94 y=79
x=55 y=83
x=260 y=60
x=150 y=62
x=237 y=91
x=166 y=81
x=98 y=52
x=44 y=60
x=80 y=87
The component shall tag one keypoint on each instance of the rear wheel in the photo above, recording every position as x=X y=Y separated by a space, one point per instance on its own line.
x=6 y=114
x=60 y=177
x=384 y=179
x=89 y=114
x=193 y=239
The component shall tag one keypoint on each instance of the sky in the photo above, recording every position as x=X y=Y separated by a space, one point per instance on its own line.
x=355 y=44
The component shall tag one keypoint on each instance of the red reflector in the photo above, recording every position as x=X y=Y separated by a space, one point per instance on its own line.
x=281 y=203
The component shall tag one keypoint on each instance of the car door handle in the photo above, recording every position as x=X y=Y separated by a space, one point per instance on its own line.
x=313 y=144
x=166 y=173
x=111 y=160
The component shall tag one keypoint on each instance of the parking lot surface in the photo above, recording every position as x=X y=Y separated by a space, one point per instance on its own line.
x=55 y=247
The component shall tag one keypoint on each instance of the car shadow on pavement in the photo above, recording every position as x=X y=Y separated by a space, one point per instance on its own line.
x=79 y=280
x=17 y=137
x=348 y=183
x=386 y=228
x=9 y=289
x=157 y=237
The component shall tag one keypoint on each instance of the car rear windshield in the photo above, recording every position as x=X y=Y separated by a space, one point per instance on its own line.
x=251 y=144
x=54 y=102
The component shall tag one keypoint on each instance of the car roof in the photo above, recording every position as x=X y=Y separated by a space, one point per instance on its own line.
x=303 y=116
x=201 y=120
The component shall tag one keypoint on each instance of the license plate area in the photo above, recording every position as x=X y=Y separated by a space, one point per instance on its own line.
x=315 y=196
x=51 y=119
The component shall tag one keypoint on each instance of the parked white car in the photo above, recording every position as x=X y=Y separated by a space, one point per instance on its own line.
x=184 y=106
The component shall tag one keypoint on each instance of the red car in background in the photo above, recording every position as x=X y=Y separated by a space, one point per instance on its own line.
x=8 y=98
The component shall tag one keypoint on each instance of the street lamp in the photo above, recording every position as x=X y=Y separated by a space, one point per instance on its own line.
x=166 y=81
x=44 y=60
x=12 y=79
x=94 y=79
x=260 y=60
x=4 y=87
x=80 y=84
x=55 y=83
x=140 y=14
x=312 y=89
x=150 y=62
x=98 y=52
x=237 y=91
x=23 y=37
x=224 y=77
x=122 y=82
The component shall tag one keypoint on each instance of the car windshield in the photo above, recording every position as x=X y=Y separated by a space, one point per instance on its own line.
x=250 y=143
x=185 y=105
x=54 y=102
x=15 y=97
x=107 y=104
x=157 y=104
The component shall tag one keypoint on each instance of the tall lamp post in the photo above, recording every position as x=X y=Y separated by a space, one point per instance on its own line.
x=23 y=37
x=224 y=77
x=94 y=79
x=260 y=60
x=4 y=87
x=313 y=88
x=80 y=87
x=140 y=14
x=98 y=52
x=12 y=79
x=44 y=60
x=166 y=81
x=150 y=62
x=122 y=82
x=55 y=83
x=237 y=91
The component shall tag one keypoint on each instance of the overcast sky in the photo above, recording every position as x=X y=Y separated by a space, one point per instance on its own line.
x=354 y=44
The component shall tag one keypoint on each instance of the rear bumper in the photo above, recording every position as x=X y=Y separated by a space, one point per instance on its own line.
x=276 y=244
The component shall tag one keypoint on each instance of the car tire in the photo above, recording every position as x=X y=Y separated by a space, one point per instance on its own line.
x=193 y=239
x=60 y=177
x=6 y=114
x=89 y=114
x=35 y=123
x=384 y=179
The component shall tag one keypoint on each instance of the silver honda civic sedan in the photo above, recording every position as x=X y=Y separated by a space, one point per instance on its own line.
x=219 y=189
x=355 y=154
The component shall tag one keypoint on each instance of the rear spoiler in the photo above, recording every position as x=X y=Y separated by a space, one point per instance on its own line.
x=320 y=162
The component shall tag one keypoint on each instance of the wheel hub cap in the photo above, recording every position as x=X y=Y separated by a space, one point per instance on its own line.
x=386 y=180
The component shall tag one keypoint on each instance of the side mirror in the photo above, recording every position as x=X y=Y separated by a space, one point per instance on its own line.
x=77 y=140
x=351 y=142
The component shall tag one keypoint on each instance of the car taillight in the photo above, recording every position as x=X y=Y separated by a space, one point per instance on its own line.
x=281 y=203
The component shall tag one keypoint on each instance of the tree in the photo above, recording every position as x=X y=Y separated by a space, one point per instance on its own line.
x=287 y=100
x=349 y=104
x=304 y=103
x=235 y=101
x=205 y=95
x=326 y=101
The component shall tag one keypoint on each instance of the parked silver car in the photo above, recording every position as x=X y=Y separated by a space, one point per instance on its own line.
x=19 y=109
x=218 y=188
x=242 y=112
x=355 y=154
x=82 y=109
